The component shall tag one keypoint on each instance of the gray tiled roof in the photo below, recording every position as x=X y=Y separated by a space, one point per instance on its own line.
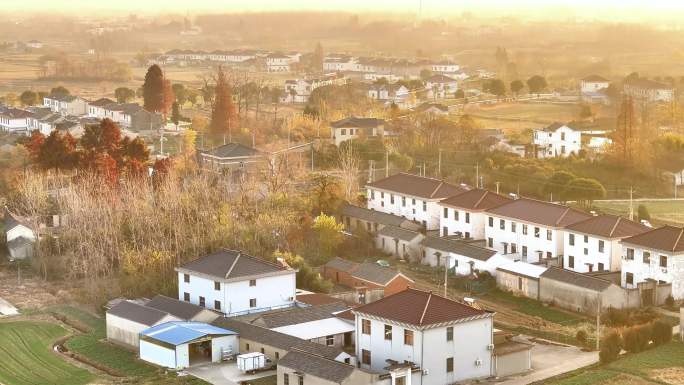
x=379 y=217
x=316 y=366
x=575 y=279
x=372 y=272
x=398 y=233
x=458 y=247
x=298 y=315
x=418 y=186
x=137 y=313
x=231 y=264
x=181 y=309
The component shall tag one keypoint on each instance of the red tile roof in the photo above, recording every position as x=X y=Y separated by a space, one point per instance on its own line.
x=608 y=226
x=418 y=186
x=540 y=212
x=476 y=199
x=420 y=308
x=666 y=238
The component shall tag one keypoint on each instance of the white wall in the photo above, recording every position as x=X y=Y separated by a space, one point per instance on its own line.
x=227 y=343
x=609 y=257
x=468 y=222
x=158 y=355
x=673 y=273
x=417 y=209
x=533 y=244
x=562 y=142
x=274 y=291
x=20 y=231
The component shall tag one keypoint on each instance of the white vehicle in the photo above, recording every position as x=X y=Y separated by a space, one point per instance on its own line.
x=251 y=362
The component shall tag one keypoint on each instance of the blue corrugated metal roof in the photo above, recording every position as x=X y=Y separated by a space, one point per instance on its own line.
x=179 y=332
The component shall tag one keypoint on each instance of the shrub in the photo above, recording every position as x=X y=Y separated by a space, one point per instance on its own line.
x=628 y=317
x=661 y=332
x=611 y=345
x=642 y=213
x=669 y=301
x=581 y=336
x=636 y=338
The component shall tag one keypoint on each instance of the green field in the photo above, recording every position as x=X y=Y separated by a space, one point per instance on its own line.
x=26 y=356
x=665 y=211
x=661 y=365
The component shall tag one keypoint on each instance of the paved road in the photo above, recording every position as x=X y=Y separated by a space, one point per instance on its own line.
x=225 y=373
x=549 y=360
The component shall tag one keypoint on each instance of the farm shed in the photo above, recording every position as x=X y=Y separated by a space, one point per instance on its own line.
x=520 y=278
x=178 y=344
x=127 y=319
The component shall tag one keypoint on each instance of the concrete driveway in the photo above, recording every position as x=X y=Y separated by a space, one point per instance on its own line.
x=550 y=359
x=225 y=373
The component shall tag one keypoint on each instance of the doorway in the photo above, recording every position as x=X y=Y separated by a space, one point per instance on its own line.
x=200 y=352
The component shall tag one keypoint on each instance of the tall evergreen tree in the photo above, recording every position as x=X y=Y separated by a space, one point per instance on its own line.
x=223 y=114
x=153 y=89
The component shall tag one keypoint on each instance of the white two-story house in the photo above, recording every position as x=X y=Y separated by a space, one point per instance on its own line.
x=656 y=255
x=97 y=109
x=411 y=196
x=418 y=337
x=557 y=140
x=353 y=128
x=594 y=244
x=531 y=229
x=440 y=86
x=593 y=89
x=66 y=104
x=235 y=283
x=463 y=214
x=14 y=120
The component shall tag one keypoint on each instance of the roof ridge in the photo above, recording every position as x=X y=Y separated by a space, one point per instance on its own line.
x=427 y=303
x=679 y=237
x=615 y=226
x=486 y=192
x=567 y=209
x=436 y=189
x=576 y=273
x=232 y=266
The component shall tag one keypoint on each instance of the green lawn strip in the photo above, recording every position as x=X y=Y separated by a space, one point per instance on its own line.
x=666 y=356
x=26 y=357
x=270 y=380
x=534 y=308
x=584 y=377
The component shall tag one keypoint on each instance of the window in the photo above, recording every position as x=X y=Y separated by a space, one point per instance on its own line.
x=629 y=279
x=413 y=201
x=388 y=332
x=252 y=282
x=524 y=229
x=524 y=251
x=513 y=227
x=514 y=248
x=365 y=357
x=467 y=235
x=247 y=347
x=217 y=305
x=562 y=135
x=186 y=297
x=549 y=255
x=455 y=215
x=382 y=195
x=502 y=224
x=536 y=232
x=424 y=205
x=277 y=355
x=408 y=337
x=601 y=246
x=548 y=235
x=365 y=326
x=301 y=380
x=491 y=221
x=571 y=262
x=446 y=212
x=445 y=231
x=403 y=202
x=217 y=285
x=186 y=278
x=372 y=194
x=600 y=266
x=646 y=257
x=450 y=333
x=201 y=301
x=392 y=198
x=450 y=364
x=630 y=254
x=400 y=380
x=329 y=340
x=520 y=283
x=252 y=302
x=490 y=242
x=343 y=131
x=467 y=217
x=286 y=379
x=663 y=261
x=586 y=251
x=586 y=239
x=571 y=239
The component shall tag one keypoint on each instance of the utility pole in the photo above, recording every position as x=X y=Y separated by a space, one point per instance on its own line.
x=446 y=275
x=423 y=168
x=631 y=204
x=439 y=166
x=477 y=174
x=386 y=164
x=598 y=322
x=497 y=187
x=370 y=171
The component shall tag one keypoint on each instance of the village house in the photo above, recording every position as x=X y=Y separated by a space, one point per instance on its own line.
x=353 y=128
x=464 y=215
x=648 y=90
x=399 y=242
x=557 y=140
x=422 y=338
x=390 y=94
x=445 y=67
x=519 y=278
x=592 y=89
x=432 y=108
x=19 y=237
x=531 y=230
x=236 y=158
x=278 y=62
x=232 y=282
x=594 y=244
x=66 y=104
x=411 y=196
x=464 y=257
x=299 y=90
x=656 y=255
x=14 y=120
x=364 y=277
x=96 y=109
x=304 y=368
x=372 y=221
x=339 y=63
x=440 y=86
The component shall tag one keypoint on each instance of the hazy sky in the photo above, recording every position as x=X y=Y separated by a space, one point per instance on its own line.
x=586 y=8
